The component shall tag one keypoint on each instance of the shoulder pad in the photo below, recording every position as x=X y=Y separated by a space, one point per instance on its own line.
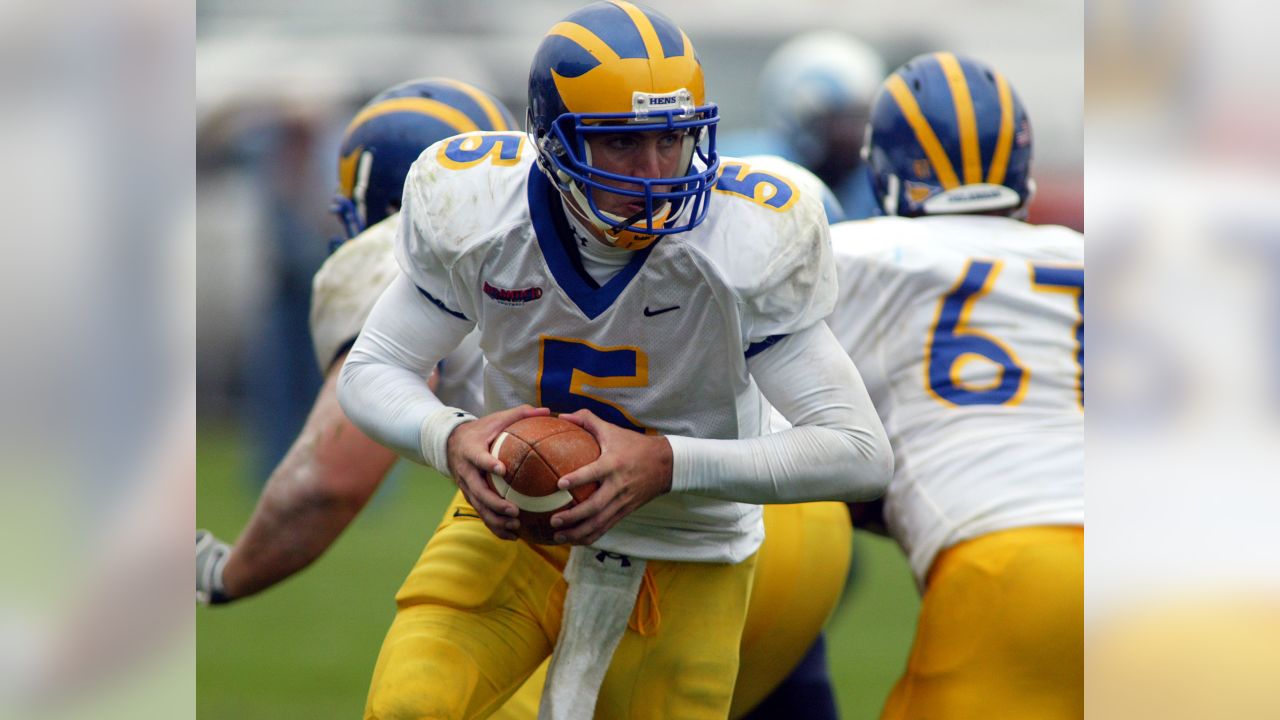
x=767 y=236
x=464 y=186
x=345 y=288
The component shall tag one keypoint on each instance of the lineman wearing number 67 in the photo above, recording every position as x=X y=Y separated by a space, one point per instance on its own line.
x=968 y=327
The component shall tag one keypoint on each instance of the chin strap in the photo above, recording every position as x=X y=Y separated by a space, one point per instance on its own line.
x=622 y=224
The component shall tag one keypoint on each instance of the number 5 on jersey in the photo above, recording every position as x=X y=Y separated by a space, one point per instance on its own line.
x=567 y=367
x=470 y=150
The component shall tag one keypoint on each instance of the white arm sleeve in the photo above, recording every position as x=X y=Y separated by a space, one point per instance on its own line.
x=383 y=387
x=837 y=449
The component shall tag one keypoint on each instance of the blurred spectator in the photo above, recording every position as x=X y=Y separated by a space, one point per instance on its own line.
x=815 y=92
x=289 y=167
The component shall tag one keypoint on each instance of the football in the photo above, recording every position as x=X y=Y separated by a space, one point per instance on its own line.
x=536 y=453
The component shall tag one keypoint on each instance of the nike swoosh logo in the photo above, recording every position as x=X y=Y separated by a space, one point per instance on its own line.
x=457 y=512
x=651 y=313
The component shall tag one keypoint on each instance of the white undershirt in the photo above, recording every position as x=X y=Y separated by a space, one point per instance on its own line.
x=600 y=261
x=837 y=450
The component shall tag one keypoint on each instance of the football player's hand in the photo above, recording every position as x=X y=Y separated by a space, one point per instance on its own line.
x=632 y=469
x=470 y=464
x=211 y=558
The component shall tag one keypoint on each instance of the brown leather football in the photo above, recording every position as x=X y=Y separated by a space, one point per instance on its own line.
x=537 y=452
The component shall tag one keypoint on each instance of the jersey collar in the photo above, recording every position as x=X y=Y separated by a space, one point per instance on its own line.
x=556 y=240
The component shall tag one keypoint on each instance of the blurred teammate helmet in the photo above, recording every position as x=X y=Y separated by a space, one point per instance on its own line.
x=949 y=135
x=617 y=67
x=816 y=90
x=389 y=133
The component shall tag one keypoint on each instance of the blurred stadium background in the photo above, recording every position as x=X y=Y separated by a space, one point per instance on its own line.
x=99 y=130
x=277 y=80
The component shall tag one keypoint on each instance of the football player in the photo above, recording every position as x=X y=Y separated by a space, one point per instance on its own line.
x=335 y=469
x=817 y=90
x=332 y=469
x=968 y=327
x=616 y=271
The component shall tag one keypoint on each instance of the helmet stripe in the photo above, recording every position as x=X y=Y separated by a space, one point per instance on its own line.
x=674 y=43
x=587 y=39
x=652 y=45
x=966 y=120
x=452 y=117
x=491 y=111
x=1000 y=160
x=897 y=87
x=347 y=170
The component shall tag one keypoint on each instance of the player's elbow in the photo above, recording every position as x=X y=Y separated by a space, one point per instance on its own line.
x=348 y=388
x=871 y=456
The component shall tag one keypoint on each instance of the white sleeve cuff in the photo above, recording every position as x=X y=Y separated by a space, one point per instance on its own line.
x=434 y=435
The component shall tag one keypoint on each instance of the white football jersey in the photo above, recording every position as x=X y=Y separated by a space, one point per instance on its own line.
x=969 y=334
x=661 y=347
x=343 y=292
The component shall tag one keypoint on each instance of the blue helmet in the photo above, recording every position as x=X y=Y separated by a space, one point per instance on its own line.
x=617 y=67
x=389 y=133
x=949 y=135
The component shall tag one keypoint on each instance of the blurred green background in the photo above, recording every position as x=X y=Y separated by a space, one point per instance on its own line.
x=305 y=649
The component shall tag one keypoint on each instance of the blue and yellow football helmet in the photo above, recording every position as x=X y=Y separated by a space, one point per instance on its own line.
x=617 y=67
x=391 y=130
x=949 y=135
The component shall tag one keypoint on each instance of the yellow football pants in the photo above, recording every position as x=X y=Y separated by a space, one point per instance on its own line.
x=1000 y=633
x=477 y=615
x=800 y=572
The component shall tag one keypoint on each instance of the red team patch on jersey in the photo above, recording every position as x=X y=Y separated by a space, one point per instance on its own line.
x=512 y=297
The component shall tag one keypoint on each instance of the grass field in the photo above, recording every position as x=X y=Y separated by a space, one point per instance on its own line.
x=305 y=649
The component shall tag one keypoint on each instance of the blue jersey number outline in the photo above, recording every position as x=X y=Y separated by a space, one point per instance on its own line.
x=567 y=366
x=762 y=188
x=471 y=150
x=1067 y=279
x=952 y=343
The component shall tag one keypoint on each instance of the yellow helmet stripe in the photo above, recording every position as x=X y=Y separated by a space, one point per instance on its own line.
x=450 y=116
x=490 y=110
x=347 y=171
x=897 y=87
x=966 y=120
x=587 y=39
x=652 y=45
x=1004 y=142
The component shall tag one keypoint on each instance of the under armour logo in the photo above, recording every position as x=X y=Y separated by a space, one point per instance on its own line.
x=603 y=555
